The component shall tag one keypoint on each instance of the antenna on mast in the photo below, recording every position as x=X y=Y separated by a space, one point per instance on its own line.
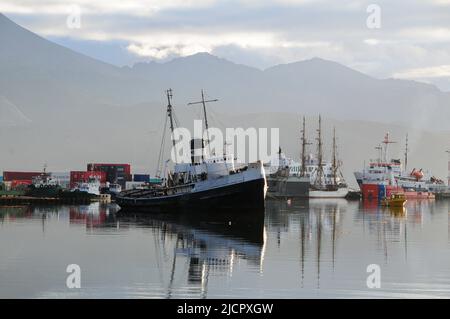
x=203 y=102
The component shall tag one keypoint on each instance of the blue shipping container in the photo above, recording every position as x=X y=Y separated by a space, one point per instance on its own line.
x=381 y=191
x=141 y=178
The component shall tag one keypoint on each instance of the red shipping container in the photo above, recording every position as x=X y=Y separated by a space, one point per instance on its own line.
x=19 y=176
x=101 y=167
x=82 y=177
x=17 y=183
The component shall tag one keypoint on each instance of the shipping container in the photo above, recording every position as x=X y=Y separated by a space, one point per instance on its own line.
x=115 y=173
x=82 y=177
x=19 y=176
x=141 y=178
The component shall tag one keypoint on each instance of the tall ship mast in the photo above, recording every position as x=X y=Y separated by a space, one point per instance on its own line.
x=303 y=154
x=319 y=171
x=334 y=158
x=323 y=186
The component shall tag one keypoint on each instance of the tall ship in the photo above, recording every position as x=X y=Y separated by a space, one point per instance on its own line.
x=383 y=177
x=327 y=181
x=205 y=182
x=308 y=179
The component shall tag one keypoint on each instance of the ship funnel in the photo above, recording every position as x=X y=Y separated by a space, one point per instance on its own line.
x=197 y=151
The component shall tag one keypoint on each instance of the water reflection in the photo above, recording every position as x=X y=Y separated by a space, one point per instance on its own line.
x=205 y=243
x=317 y=223
x=294 y=249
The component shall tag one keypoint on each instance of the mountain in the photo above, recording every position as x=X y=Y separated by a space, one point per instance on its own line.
x=43 y=77
x=67 y=109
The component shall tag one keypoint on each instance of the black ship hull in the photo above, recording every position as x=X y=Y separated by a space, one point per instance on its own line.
x=287 y=187
x=246 y=194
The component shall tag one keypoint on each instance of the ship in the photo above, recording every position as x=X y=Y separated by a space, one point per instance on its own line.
x=43 y=185
x=91 y=186
x=206 y=181
x=307 y=179
x=284 y=181
x=383 y=177
x=331 y=183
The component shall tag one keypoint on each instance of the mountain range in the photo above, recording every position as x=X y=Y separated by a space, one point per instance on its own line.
x=63 y=108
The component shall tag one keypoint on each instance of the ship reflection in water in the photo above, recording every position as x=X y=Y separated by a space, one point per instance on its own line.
x=295 y=249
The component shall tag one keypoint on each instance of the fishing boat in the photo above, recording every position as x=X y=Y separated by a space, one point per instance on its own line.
x=206 y=181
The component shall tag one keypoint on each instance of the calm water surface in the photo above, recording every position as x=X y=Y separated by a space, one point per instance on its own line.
x=314 y=249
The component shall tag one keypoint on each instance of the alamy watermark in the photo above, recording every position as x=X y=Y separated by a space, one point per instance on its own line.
x=374 y=279
x=73 y=20
x=374 y=19
x=74 y=278
x=245 y=145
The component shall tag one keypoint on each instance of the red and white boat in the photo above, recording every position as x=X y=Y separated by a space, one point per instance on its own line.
x=382 y=177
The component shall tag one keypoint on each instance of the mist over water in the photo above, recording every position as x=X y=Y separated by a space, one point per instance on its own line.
x=309 y=249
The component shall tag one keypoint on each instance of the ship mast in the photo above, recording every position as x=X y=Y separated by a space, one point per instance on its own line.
x=170 y=115
x=319 y=174
x=203 y=102
x=334 y=161
x=303 y=155
x=386 y=142
x=406 y=152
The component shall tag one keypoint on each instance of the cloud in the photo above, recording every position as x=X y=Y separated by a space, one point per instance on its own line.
x=256 y=32
x=161 y=46
x=425 y=73
x=98 y=7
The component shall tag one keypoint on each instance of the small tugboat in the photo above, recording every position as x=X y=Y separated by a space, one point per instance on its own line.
x=204 y=182
x=44 y=186
x=91 y=186
x=395 y=200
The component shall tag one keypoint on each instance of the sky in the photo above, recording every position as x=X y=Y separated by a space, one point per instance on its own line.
x=400 y=39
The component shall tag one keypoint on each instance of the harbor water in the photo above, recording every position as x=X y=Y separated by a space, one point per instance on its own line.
x=295 y=249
